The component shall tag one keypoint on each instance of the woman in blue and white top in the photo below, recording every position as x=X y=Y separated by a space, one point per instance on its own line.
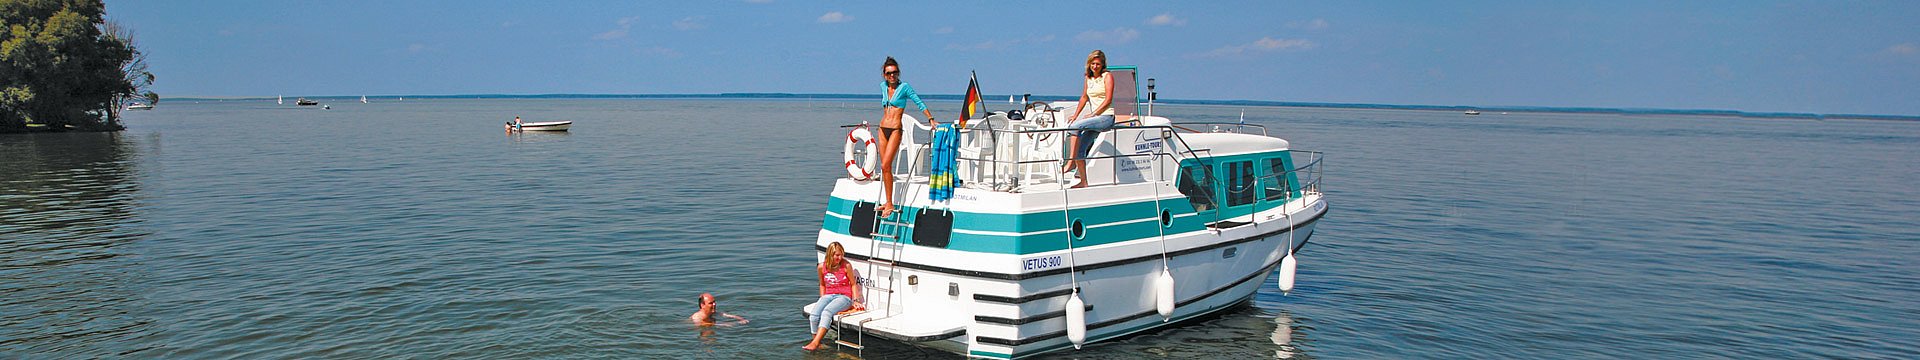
x=893 y=106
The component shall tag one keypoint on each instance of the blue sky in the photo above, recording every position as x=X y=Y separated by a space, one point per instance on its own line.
x=1766 y=56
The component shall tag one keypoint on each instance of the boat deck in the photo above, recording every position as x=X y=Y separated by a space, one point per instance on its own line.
x=909 y=326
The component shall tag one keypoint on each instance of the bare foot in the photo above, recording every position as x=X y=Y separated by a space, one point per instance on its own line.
x=810 y=347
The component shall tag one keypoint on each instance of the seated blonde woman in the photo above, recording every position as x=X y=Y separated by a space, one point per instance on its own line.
x=1096 y=104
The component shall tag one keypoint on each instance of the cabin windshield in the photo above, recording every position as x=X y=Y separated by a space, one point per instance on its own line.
x=1196 y=182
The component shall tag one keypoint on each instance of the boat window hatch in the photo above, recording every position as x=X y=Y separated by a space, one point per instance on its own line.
x=1277 y=181
x=933 y=228
x=1196 y=182
x=1240 y=183
x=861 y=225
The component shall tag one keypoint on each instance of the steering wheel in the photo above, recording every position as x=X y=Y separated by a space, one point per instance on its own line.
x=1043 y=115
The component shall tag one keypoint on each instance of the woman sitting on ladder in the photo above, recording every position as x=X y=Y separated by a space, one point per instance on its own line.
x=1096 y=104
x=893 y=106
x=839 y=291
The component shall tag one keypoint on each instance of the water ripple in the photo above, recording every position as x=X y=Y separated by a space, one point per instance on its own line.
x=248 y=231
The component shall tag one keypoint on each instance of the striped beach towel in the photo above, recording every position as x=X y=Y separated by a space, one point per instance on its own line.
x=945 y=162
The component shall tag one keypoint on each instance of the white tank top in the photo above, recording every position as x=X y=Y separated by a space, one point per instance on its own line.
x=1097 y=93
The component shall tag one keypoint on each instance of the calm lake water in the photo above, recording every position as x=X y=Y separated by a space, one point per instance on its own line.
x=417 y=229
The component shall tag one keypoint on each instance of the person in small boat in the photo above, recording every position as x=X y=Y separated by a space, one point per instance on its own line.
x=710 y=311
x=839 y=291
x=893 y=106
x=1097 y=108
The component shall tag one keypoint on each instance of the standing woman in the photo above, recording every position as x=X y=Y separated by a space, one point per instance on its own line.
x=893 y=106
x=839 y=290
x=1096 y=104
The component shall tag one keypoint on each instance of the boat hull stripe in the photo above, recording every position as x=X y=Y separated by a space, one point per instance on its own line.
x=1064 y=270
x=1265 y=270
x=1062 y=313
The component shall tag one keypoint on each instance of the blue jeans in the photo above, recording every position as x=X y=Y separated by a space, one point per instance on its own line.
x=820 y=313
x=1089 y=128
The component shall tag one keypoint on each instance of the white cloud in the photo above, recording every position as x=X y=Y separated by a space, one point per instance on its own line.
x=626 y=23
x=1904 y=49
x=659 y=51
x=1118 y=35
x=1265 y=44
x=1315 y=24
x=835 y=17
x=1166 y=19
x=1000 y=44
x=611 y=34
x=690 y=23
x=984 y=45
x=944 y=30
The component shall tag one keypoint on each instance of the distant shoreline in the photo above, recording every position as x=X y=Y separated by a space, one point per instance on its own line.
x=990 y=99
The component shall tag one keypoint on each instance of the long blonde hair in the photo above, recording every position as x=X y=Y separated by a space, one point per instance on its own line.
x=1097 y=54
x=835 y=256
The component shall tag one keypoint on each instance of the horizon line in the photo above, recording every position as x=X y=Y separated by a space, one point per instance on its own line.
x=957 y=97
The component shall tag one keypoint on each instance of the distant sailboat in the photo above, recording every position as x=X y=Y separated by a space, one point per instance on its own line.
x=363 y=99
x=282 y=100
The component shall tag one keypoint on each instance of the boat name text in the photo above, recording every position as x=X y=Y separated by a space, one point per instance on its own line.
x=1041 y=263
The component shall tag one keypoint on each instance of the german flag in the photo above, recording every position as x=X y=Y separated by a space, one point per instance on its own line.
x=972 y=106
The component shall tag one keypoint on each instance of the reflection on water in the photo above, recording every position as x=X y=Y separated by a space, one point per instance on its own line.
x=538 y=136
x=1283 y=335
x=67 y=218
x=415 y=231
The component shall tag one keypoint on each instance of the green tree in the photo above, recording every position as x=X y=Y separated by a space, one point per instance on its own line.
x=60 y=67
x=133 y=72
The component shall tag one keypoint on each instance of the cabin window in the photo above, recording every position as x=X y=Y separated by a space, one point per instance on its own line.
x=1196 y=182
x=1279 y=184
x=1240 y=183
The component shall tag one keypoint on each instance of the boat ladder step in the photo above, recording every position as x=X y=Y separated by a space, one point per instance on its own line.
x=850 y=344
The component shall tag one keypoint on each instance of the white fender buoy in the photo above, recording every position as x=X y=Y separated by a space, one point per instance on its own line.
x=1163 y=294
x=1286 y=273
x=1076 y=320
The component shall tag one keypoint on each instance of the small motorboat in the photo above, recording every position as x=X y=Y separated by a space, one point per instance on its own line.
x=305 y=102
x=546 y=126
x=1473 y=112
x=140 y=106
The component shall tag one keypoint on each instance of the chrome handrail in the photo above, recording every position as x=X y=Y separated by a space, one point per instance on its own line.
x=1171 y=132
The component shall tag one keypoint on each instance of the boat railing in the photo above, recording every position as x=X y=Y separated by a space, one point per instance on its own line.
x=1013 y=157
x=1007 y=159
x=1270 y=188
x=1221 y=127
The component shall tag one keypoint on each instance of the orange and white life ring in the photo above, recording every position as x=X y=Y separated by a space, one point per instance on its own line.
x=862 y=138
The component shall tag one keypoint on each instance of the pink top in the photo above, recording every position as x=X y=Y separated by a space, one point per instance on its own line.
x=838 y=282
